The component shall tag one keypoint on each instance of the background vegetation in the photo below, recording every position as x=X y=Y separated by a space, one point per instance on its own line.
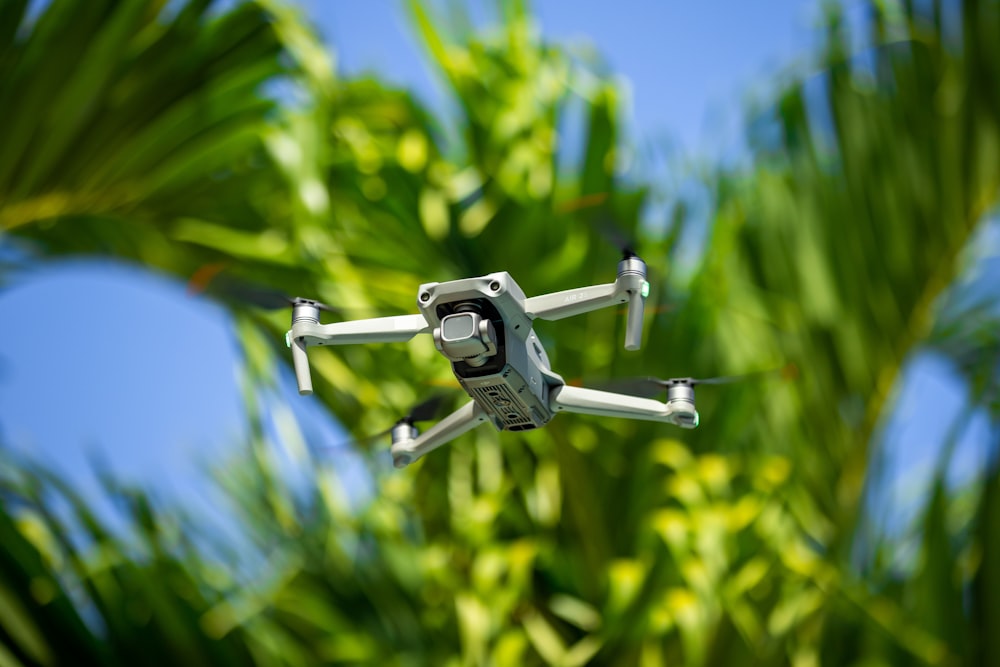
x=155 y=133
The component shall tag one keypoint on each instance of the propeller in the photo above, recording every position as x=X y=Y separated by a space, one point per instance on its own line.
x=207 y=279
x=270 y=299
x=421 y=412
x=602 y=222
x=614 y=235
x=649 y=386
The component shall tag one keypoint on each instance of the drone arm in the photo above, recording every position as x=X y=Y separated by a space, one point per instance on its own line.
x=607 y=404
x=307 y=331
x=572 y=302
x=398 y=329
x=630 y=287
x=464 y=419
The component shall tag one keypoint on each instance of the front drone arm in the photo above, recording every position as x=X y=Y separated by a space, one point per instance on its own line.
x=607 y=404
x=407 y=446
x=398 y=329
x=568 y=303
x=406 y=450
x=306 y=330
x=630 y=287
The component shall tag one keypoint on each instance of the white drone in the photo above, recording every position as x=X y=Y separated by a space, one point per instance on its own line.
x=484 y=327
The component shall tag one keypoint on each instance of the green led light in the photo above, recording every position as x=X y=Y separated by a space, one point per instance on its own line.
x=645 y=288
x=288 y=339
x=696 y=420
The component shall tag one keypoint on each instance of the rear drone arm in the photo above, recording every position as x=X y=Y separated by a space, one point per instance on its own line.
x=306 y=330
x=630 y=287
x=607 y=404
x=407 y=446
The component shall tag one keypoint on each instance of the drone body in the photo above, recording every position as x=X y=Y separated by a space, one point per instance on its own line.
x=483 y=326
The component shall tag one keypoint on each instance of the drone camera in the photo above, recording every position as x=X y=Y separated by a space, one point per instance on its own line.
x=467 y=337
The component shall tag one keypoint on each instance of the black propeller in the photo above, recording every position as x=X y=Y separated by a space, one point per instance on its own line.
x=421 y=412
x=604 y=224
x=614 y=235
x=269 y=299
x=648 y=386
x=207 y=279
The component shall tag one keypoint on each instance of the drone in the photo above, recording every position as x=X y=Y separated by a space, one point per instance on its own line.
x=483 y=326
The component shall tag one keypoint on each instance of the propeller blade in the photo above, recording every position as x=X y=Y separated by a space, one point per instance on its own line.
x=421 y=412
x=604 y=225
x=260 y=297
x=264 y=297
x=207 y=279
x=614 y=235
x=425 y=410
x=725 y=379
x=318 y=304
x=787 y=372
x=649 y=386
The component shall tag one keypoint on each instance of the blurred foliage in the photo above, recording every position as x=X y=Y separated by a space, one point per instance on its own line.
x=150 y=132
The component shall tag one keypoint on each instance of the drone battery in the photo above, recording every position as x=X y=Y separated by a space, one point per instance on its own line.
x=509 y=400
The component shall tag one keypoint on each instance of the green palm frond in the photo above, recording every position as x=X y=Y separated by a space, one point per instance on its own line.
x=115 y=109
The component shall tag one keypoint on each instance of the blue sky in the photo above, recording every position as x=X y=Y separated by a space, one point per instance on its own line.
x=114 y=361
